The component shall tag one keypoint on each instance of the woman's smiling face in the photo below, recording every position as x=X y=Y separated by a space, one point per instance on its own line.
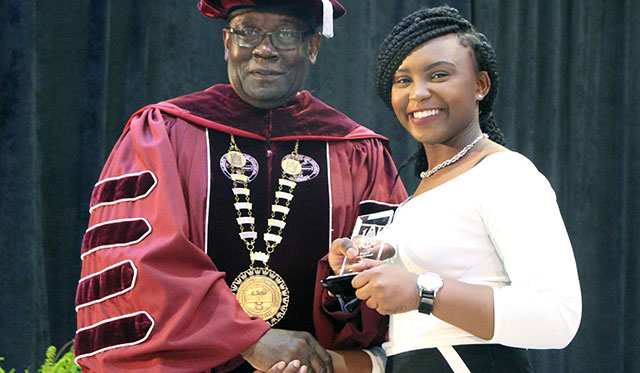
x=436 y=90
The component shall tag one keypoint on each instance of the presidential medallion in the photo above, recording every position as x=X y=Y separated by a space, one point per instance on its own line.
x=262 y=292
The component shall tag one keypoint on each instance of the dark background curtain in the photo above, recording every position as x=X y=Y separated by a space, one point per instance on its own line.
x=71 y=73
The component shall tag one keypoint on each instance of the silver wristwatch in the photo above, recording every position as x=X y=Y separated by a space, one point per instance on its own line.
x=428 y=284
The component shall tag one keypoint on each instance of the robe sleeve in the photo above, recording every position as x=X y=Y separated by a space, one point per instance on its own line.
x=150 y=298
x=361 y=170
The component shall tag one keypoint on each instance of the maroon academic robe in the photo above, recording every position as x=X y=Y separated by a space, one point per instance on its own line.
x=162 y=245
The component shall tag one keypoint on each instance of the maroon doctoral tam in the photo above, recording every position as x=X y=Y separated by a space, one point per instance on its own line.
x=315 y=12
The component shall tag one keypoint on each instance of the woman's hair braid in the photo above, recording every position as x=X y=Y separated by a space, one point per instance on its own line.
x=420 y=27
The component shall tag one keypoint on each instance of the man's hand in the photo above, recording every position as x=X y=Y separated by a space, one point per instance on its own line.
x=278 y=345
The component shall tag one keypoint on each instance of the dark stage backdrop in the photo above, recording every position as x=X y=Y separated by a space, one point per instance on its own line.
x=71 y=72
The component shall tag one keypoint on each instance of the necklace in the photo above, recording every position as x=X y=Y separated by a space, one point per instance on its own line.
x=260 y=290
x=426 y=174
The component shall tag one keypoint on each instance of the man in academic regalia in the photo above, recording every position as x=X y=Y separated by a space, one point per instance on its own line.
x=213 y=210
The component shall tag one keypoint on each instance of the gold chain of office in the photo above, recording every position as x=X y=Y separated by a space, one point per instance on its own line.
x=260 y=290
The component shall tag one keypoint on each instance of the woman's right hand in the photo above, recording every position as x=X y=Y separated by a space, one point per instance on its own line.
x=283 y=367
x=355 y=251
x=341 y=248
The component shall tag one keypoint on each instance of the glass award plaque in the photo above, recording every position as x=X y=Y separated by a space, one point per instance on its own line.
x=367 y=238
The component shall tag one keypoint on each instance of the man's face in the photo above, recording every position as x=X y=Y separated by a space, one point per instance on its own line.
x=265 y=76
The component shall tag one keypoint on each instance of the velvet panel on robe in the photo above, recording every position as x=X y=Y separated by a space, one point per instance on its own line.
x=150 y=298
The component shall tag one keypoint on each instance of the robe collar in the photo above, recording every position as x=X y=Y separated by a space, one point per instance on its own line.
x=303 y=117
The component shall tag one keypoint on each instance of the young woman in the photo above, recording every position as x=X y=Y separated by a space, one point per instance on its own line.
x=484 y=268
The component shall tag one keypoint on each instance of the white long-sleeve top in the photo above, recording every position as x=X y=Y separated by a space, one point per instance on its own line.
x=497 y=224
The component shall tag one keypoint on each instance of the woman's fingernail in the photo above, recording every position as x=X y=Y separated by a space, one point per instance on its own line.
x=296 y=363
x=281 y=365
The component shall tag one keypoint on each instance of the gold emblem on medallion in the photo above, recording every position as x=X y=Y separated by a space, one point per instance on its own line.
x=236 y=159
x=262 y=292
x=291 y=166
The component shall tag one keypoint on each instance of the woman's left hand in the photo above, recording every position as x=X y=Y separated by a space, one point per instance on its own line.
x=386 y=288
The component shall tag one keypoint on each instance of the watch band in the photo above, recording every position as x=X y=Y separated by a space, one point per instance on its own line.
x=426 y=302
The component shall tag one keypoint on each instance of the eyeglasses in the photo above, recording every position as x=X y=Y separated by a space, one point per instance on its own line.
x=283 y=39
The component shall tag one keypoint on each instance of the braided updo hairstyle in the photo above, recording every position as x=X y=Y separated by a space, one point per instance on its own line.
x=420 y=27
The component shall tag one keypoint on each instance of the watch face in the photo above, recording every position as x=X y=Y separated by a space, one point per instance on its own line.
x=429 y=281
